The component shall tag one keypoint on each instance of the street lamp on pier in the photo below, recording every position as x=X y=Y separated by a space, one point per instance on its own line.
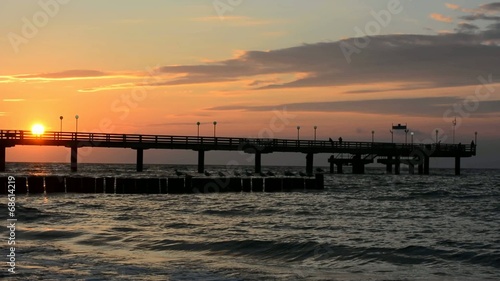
x=315 y=127
x=76 y=124
x=61 y=118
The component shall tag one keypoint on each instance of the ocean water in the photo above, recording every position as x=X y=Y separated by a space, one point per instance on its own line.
x=361 y=227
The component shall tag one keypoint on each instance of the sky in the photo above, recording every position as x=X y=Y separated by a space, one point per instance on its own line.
x=258 y=68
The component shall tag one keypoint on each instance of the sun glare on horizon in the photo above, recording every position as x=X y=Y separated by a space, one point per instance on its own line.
x=37 y=129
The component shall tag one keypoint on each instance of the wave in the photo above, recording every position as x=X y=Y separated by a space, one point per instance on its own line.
x=326 y=253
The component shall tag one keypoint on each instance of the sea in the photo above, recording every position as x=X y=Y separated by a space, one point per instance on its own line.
x=360 y=227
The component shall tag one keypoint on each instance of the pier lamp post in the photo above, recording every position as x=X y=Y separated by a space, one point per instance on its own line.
x=315 y=127
x=454 y=122
x=76 y=119
x=475 y=138
x=298 y=132
x=215 y=126
x=373 y=135
x=61 y=118
x=412 y=138
x=392 y=135
x=198 y=124
x=406 y=136
x=437 y=133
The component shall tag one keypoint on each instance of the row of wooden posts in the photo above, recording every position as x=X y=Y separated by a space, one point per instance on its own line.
x=173 y=185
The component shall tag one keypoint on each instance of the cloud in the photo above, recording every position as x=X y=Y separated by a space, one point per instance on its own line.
x=235 y=20
x=75 y=74
x=408 y=60
x=13 y=100
x=433 y=60
x=466 y=28
x=452 y=6
x=491 y=6
x=441 y=18
x=419 y=107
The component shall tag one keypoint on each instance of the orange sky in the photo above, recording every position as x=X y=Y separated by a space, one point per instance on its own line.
x=160 y=68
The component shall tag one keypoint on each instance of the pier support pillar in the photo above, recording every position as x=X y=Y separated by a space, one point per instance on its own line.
x=426 y=165
x=411 y=168
x=74 y=158
x=309 y=163
x=388 y=166
x=258 y=167
x=457 y=165
x=358 y=167
x=397 y=165
x=339 y=168
x=331 y=164
x=420 y=168
x=140 y=159
x=201 y=161
x=2 y=158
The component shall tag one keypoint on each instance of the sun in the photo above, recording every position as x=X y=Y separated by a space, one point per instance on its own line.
x=37 y=129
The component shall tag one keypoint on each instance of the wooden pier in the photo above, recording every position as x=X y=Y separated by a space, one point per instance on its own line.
x=357 y=154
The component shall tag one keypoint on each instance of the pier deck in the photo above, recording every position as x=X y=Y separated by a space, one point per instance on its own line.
x=359 y=152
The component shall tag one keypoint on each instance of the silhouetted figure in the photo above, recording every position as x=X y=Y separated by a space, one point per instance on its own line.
x=331 y=141
x=472 y=144
x=340 y=140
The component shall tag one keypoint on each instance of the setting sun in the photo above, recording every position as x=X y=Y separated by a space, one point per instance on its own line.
x=37 y=129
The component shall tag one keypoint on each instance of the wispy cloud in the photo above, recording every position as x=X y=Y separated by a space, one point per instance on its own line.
x=452 y=6
x=441 y=18
x=13 y=100
x=236 y=20
x=419 y=107
x=75 y=74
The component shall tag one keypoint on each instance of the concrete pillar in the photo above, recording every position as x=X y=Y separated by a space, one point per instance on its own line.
x=420 y=168
x=331 y=164
x=358 y=167
x=426 y=165
x=388 y=166
x=2 y=158
x=309 y=163
x=140 y=159
x=258 y=167
x=397 y=165
x=74 y=158
x=457 y=165
x=201 y=161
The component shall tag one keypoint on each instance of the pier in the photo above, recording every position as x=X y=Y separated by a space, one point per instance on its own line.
x=356 y=154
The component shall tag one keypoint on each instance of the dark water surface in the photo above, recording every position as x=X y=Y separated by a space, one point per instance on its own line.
x=362 y=227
